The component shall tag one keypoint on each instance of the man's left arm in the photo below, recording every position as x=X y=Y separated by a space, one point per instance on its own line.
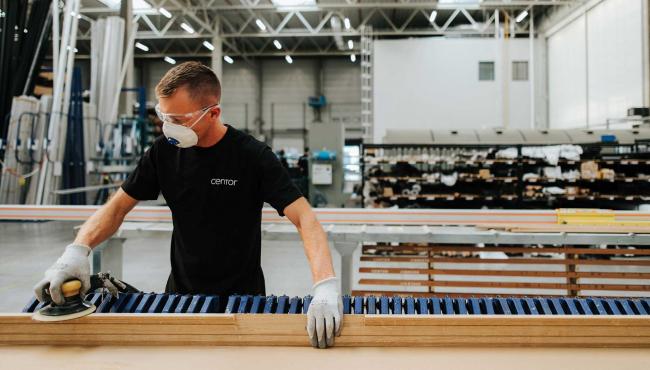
x=313 y=237
x=325 y=312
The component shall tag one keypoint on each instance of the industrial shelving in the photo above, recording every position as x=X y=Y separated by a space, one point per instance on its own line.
x=410 y=176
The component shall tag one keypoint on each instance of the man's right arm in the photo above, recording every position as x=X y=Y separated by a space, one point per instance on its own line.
x=73 y=263
x=106 y=221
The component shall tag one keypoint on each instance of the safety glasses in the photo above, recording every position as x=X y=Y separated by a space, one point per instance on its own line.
x=182 y=118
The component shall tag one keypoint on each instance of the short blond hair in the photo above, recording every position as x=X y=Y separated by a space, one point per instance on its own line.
x=199 y=80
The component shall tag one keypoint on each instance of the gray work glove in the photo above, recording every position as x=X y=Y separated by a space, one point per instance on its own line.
x=325 y=313
x=73 y=264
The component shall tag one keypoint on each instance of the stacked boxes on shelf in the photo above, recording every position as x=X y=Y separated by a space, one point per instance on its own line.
x=593 y=175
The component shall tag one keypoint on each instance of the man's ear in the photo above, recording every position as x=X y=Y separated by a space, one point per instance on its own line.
x=215 y=112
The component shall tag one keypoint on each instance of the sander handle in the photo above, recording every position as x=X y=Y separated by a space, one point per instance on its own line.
x=69 y=288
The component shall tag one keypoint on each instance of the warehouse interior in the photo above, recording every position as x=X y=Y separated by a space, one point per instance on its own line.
x=468 y=160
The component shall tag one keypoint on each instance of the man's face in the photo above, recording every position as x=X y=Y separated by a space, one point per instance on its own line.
x=181 y=103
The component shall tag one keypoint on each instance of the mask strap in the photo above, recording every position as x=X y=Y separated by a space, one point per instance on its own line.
x=198 y=119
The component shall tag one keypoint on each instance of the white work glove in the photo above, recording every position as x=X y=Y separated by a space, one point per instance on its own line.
x=325 y=313
x=73 y=264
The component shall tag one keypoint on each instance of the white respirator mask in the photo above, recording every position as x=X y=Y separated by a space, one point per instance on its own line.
x=180 y=135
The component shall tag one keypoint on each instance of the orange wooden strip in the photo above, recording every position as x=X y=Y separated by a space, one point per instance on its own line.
x=521 y=285
x=514 y=261
x=469 y=248
x=523 y=273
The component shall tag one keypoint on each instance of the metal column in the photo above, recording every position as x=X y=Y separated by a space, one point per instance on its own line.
x=217 y=53
x=531 y=67
x=366 y=84
x=108 y=257
x=346 y=250
x=128 y=100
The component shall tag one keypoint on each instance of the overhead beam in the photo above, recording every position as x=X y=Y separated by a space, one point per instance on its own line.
x=302 y=53
x=486 y=4
x=148 y=35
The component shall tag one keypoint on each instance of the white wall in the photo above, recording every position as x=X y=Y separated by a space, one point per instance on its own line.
x=286 y=89
x=239 y=95
x=567 y=64
x=433 y=83
x=342 y=87
x=596 y=64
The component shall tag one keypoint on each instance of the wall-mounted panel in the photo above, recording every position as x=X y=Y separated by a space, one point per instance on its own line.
x=567 y=80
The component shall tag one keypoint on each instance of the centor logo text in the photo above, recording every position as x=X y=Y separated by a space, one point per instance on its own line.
x=228 y=182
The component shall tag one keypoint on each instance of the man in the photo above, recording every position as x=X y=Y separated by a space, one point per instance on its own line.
x=215 y=180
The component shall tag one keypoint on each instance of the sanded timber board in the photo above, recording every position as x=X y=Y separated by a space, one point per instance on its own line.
x=358 y=330
x=549 y=228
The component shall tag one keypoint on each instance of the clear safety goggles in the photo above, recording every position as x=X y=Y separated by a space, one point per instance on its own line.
x=182 y=118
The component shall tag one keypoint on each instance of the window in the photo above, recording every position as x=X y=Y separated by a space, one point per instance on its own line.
x=351 y=163
x=486 y=71
x=520 y=70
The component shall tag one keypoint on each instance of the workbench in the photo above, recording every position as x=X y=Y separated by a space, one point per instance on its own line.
x=234 y=340
x=246 y=341
x=346 y=228
x=38 y=357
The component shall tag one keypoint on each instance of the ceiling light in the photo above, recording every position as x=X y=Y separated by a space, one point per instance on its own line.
x=346 y=22
x=289 y=4
x=208 y=45
x=165 y=12
x=521 y=16
x=228 y=59
x=187 y=27
x=454 y=4
x=353 y=58
x=170 y=60
x=288 y=59
x=137 y=4
x=433 y=16
x=277 y=44
x=350 y=44
x=260 y=24
x=141 y=46
x=141 y=4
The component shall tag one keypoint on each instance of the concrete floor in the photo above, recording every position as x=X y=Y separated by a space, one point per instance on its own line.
x=27 y=249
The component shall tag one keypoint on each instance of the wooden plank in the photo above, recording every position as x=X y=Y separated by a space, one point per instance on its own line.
x=512 y=261
x=498 y=284
x=370 y=329
x=522 y=250
x=358 y=330
x=598 y=229
x=392 y=293
x=522 y=273
x=299 y=358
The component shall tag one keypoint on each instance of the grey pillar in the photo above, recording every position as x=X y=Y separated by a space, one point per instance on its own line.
x=258 y=122
x=217 y=57
x=127 y=100
x=108 y=257
x=346 y=250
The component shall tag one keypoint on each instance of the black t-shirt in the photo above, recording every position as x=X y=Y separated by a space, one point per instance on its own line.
x=215 y=195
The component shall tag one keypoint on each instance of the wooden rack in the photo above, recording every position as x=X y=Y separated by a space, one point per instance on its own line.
x=402 y=263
